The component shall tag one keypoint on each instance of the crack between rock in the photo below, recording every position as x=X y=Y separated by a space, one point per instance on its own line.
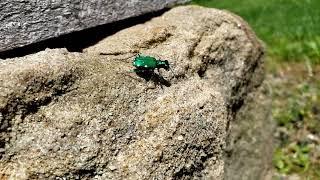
x=196 y=43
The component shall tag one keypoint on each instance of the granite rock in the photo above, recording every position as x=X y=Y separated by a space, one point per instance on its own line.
x=87 y=116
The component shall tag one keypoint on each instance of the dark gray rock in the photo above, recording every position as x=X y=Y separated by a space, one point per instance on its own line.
x=26 y=22
x=250 y=142
x=84 y=115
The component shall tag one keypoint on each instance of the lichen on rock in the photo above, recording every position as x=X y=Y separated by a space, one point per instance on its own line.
x=84 y=115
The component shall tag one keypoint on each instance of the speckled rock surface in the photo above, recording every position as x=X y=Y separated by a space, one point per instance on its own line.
x=84 y=115
x=26 y=22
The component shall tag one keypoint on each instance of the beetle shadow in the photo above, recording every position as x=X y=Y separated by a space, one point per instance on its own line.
x=154 y=77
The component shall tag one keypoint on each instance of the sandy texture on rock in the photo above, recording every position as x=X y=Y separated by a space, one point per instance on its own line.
x=84 y=115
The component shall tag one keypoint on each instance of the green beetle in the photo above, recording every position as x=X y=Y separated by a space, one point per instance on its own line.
x=149 y=64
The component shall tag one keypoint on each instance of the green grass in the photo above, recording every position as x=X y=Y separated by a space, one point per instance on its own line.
x=290 y=28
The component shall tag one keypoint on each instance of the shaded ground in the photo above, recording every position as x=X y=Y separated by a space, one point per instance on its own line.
x=296 y=109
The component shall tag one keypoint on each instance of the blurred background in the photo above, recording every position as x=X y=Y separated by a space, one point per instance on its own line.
x=291 y=32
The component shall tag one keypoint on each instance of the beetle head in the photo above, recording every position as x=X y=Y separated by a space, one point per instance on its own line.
x=166 y=65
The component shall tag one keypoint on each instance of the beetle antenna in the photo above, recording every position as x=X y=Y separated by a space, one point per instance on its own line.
x=132 y=56
x=174 y=75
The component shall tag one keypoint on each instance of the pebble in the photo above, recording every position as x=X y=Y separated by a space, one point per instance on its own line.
x=112 y=168
x=180 y=138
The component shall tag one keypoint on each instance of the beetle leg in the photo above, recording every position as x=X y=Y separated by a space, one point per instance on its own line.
x=158 y=72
